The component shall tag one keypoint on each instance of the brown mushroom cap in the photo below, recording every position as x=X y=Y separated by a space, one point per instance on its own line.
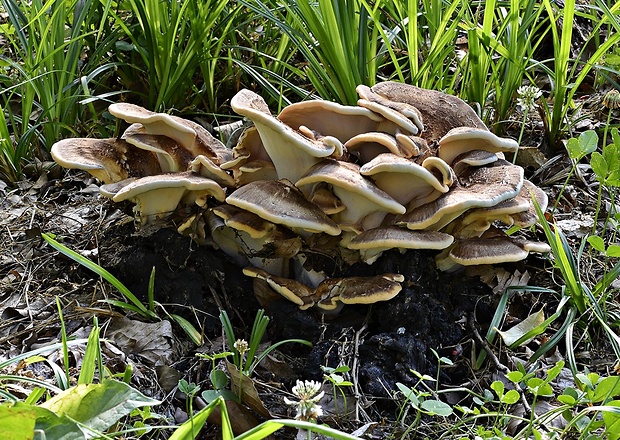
x=358 y=290
x=440 y=112
x=390 y=172
x=405 y=116
x=207 y=168
x=190 y=135
x=483 y=187
x=255 y=170
x=473 y=158
x=109 y=160
x=392 y=110
x=155 y=123
x=292 y=290
x=518 y=209
x=172 y=156
x=360 y=196
x=369 y=145
x=329 y=118
x=282 y=203
x=291 y=152
x=373 y=242
x=263 y=244
x=493 y=250
x=242 y=220
x=249 y=148
x=528 y=218
x=159 y=195
x=322 y=197
x=460 y=140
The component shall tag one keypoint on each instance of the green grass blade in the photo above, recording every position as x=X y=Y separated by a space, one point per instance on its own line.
x=189 y=329
x=144 y=312
x=91 y=356
x=269 y=427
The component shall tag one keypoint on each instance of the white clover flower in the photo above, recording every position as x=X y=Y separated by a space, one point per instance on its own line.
x=528 y=96
x=241 y=346
x=612 y=99
x=308 y=394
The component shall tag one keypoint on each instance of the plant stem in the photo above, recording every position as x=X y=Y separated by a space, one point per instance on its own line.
x=606 y=128
x=525 y=112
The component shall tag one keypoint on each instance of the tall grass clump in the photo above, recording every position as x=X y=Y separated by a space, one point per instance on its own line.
x=338 y=47
x=503 y=37
x=173 y=48
x=56 y=52
x=567 y=73
x=260 y=54
x=419 y=41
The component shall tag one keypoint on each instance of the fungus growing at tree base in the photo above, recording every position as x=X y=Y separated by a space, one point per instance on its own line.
x=408 y=168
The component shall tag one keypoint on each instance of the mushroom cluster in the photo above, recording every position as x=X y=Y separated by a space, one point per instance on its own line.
x=408 y=168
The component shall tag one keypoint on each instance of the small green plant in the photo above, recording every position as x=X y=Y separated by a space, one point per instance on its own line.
x=423 y=401
x=577 y=149
x=247 y=362
x=190 y=389
x=606 y=168
x=334 y=376
x=218 y=378
x=76 y=412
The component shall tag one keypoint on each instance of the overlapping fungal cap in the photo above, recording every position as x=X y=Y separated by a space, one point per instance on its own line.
x=460 y=140
x=280 y=202
x=493 y=250
x=249 y=239
x=291 y=152
x=374 y=242
x=331 y=293
x=482 y=187
x=360 y=196
x=108 y=160
x=159 y=195
x=407 y=168
x=389 y=172
x=189 y=135
x=439 y=111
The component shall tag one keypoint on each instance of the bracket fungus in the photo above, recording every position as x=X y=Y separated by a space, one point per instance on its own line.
x=108 y=160
x=439 y=111
x=374 y=242
x=291 y=152
x=340 y=121
x=483 y=187
x=159 y=195
x=389 y=172
x=407 y=168
x=360 y=196
x=460 y=140
x=493 y=250
x=281 y=202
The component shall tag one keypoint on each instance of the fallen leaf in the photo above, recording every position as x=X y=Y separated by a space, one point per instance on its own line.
x=518 y=331
x=249 y=395
x=152 y=341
